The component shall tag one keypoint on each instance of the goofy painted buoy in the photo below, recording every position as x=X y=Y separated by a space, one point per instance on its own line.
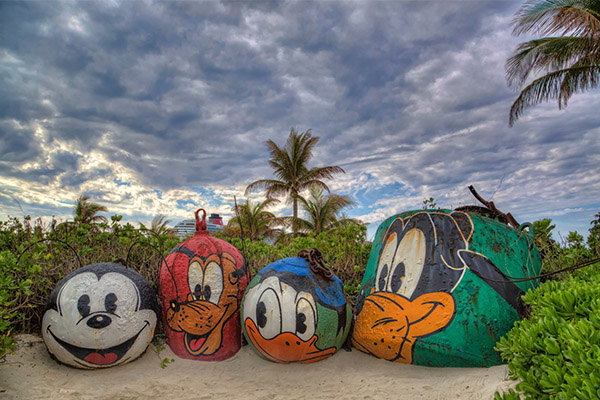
x=437 y=291
x=201 y=285
x=99 y=316
x=294 y=310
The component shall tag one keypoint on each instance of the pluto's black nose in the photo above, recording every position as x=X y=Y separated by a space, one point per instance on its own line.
x=99 y=321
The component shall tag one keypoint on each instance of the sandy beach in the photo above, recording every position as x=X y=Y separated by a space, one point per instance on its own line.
x=30 y=373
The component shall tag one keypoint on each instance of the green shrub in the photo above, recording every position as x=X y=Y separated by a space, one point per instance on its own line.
x=556 y=353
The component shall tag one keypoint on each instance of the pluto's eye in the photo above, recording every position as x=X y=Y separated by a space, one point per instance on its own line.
x=213 y=282
x=110 y=303
x=83 y=305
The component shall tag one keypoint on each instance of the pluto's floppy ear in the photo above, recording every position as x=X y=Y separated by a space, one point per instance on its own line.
x=486 y=270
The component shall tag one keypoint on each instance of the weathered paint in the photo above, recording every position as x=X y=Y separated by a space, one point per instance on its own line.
x=99 y=316
x=429 y=297
x=291 y=314
x=201 y=285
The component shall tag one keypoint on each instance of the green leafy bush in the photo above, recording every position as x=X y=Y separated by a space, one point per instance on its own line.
x=556 y=353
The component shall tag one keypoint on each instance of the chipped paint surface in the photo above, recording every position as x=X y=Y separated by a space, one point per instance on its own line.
x=429 y=297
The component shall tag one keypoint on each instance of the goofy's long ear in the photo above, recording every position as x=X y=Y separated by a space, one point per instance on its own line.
x=496 y=279
x=464 y=223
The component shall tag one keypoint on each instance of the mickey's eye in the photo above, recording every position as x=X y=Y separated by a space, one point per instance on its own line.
x=83 y=305
x=268 y=314
x=306 y=317
x=409 y=262
x=110 y=303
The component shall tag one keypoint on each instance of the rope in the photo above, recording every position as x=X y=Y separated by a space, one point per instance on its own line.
x=316 y=262
x=571 y=268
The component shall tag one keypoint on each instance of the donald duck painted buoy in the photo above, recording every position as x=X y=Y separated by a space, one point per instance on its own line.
x=294 y=313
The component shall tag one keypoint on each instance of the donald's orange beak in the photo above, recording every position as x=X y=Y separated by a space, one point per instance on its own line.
x=287 y=347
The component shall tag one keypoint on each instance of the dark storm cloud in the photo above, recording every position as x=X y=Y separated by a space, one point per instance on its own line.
x=409 y=97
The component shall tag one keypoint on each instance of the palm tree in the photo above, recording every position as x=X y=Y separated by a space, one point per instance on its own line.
x=322 y=211
x=159 y=225
x=86 y=211
x=571 y=60
x=291 y=171
x=256 y=221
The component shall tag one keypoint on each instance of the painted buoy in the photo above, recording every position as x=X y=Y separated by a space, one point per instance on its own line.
x=201 y=285
x=99 y=316
x=292 y=314
x=437 y=291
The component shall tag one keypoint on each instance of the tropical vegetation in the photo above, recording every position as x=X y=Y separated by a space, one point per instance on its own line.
x=255 y=221
x=292 y=174
x=568 y=60
x=322 y=212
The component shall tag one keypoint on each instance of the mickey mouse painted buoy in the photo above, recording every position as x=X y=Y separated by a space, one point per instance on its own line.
x=294 y=313
x=99 y=316
x=201 y=284
x=437 y=291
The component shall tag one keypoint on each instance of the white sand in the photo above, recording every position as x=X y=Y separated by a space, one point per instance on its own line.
x=30 y=373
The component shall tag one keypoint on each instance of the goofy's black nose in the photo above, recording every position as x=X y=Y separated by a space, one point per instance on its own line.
x=175 y=306
x=99 y=321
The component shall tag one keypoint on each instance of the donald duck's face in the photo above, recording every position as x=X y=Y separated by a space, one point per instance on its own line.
x=281 y=322
x=398 y=311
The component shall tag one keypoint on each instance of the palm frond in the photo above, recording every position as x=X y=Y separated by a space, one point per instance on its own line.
x=548 y=54
x=549 y=17
x=550 y=86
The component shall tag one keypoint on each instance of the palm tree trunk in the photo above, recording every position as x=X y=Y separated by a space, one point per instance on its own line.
x=294 y=227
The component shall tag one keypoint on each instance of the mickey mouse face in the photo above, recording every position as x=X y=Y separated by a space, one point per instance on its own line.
x=100 y=316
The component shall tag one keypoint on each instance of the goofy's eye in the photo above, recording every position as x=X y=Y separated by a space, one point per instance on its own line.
x=306 y=318
x=397 y=277
x=386 y=259
x=83 y=305
x=268 y=314
x=110 y=303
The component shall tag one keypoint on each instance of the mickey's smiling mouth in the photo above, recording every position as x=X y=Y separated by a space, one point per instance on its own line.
x=99 y=357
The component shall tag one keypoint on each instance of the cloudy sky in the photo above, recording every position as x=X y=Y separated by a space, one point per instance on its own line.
x=164 y=107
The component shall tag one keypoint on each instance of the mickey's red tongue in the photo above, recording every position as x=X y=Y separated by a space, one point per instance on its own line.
x=99 y=359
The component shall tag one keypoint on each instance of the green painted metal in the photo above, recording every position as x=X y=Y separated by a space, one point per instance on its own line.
x=488 y=251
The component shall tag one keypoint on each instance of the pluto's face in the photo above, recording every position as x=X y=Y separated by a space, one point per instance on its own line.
x=97 y=322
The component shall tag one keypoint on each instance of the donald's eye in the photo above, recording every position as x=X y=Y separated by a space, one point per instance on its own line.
x=83 y=305
x=268 y=314
x=306 y=317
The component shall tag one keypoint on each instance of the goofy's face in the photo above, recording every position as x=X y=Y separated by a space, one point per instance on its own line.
x=208 y=300
x=99 y=316
x=417 y=269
